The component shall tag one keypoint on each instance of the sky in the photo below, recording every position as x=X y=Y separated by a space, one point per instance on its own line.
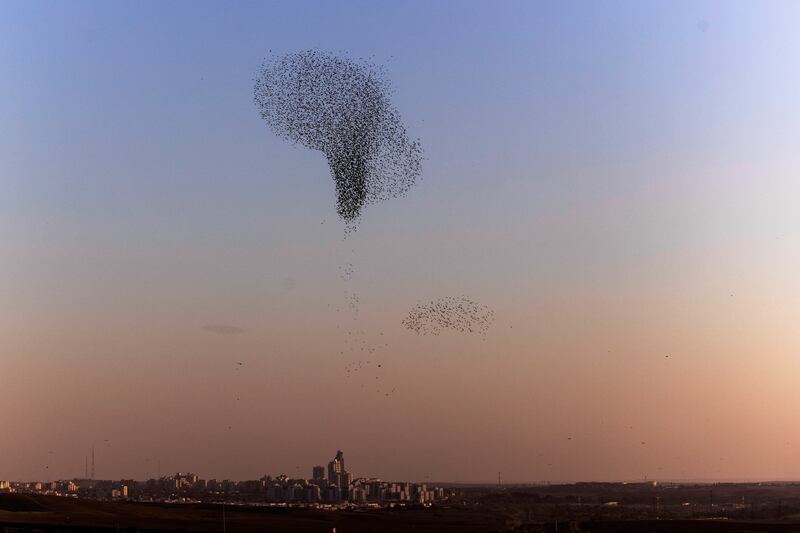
x=616 y=180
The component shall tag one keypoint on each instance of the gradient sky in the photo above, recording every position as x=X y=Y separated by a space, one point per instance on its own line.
x=617 y=180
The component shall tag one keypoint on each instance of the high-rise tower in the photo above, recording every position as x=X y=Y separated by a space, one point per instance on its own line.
x=336 y=468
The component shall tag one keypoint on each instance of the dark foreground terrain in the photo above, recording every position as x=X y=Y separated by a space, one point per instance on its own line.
x=24 y=513
x=569 y=508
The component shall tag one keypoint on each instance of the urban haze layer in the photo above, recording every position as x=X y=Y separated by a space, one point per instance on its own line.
x=331 y=486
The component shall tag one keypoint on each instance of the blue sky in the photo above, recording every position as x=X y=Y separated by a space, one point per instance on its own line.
x=601 y=174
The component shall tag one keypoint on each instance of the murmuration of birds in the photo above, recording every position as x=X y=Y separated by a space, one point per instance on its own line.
x=342 y=108
x=457 y=313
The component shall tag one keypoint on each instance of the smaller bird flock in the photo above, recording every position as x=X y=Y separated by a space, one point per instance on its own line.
x=352 y=300
x=346 y=271
x=458 y=313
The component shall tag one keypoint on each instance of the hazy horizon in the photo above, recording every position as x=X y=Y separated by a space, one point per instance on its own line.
x=616 y=181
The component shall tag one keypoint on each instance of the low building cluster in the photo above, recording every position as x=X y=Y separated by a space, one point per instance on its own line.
x=334 y=486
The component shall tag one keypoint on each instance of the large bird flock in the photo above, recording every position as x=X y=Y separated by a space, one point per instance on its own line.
x=342 y=108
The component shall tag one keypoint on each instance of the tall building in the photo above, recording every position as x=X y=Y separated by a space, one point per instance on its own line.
x=338 y=475
x=336 y=468
x=318 y=474
x=340 y=457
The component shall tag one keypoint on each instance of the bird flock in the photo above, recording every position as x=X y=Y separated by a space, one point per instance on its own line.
x=341 y=108
x=458 y=313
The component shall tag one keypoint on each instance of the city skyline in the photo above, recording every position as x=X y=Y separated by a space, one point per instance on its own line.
x=338 y=488
x=335 y=468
